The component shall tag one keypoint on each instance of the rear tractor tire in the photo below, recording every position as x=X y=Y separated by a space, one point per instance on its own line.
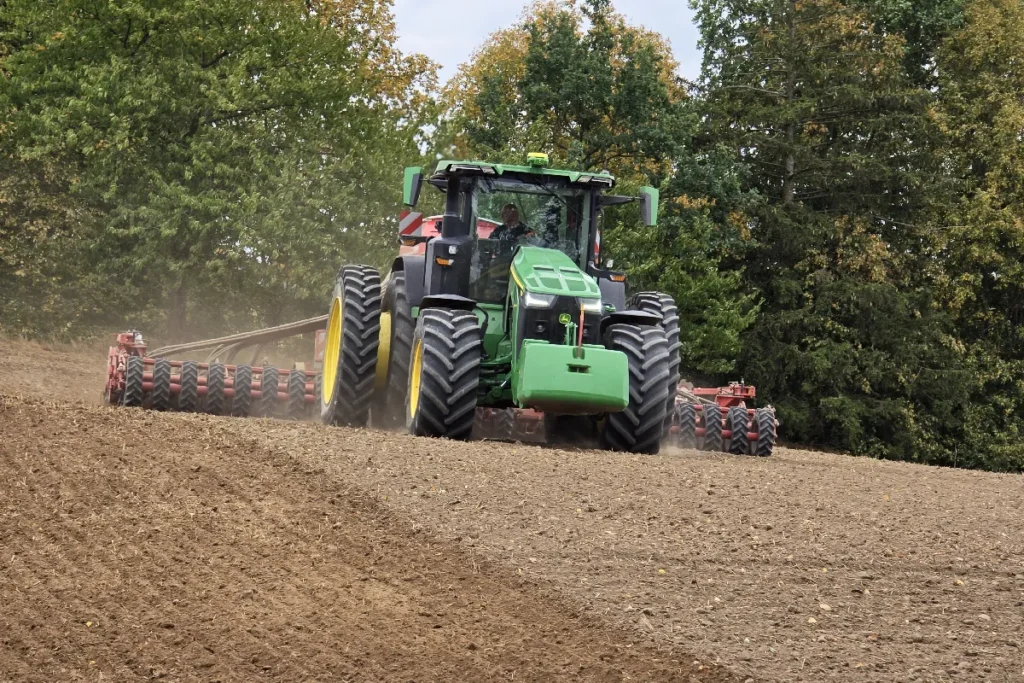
x=640 y=427
x=444 y=374
x=664 y=306
x=350 y=358
x=397 y=329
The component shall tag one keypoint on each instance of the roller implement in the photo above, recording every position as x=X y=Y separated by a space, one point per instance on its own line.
x=719 y=420
x=138 y=379
x=496 y=319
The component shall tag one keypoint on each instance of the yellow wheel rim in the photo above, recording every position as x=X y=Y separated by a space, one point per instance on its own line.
x=332 y=352
x=383 y=351
x=415 y=373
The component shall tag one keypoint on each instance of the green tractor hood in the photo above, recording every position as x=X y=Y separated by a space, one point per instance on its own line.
x=549 y=271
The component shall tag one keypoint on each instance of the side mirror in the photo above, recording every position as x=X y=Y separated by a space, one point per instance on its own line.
x=411 y=185
x=649 y=206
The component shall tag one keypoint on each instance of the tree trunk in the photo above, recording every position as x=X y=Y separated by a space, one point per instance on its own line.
x=789 y=182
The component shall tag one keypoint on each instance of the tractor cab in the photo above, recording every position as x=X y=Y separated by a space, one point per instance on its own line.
x=530 y=206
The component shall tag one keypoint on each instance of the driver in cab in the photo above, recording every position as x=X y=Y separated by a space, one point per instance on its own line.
x=511 y=229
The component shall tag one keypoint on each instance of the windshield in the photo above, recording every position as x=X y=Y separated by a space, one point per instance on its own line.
x=545 y=213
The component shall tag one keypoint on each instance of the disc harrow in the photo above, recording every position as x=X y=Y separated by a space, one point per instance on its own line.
x=135 y=379
x=718 y=419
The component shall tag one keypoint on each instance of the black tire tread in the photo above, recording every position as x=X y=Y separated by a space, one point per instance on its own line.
x=160 y=397
x=687 y=422
x=188 y=383
x=713 y=425
x=359 y=288
x=391 y=405
x=739 y=442
x=640 y=427
x=505 y=425
x=665 y=306
x=269 y=380
x=241 y=403
x=452 y=351
x=216 y=376
x=764 y=419
x=296 y=409
x=133 y=393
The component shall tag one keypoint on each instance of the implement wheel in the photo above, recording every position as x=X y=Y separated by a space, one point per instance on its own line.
x=296 y=409
x=713 y=440
x=444 y=374
x=640 y=427
x=188 y=381
x=764 y=418
x=687 y=425
x=160 y=398
x=395 y=352
x=350 y=357
x=739 y=442
x=665 y=306
x=132 y=396
x=268 y=392
x=216 y=376
x=241 y=404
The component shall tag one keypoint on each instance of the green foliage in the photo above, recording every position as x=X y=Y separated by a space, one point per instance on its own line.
x=227 y=155
x=875 y=250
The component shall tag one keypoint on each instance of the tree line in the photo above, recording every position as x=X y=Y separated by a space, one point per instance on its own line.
x=843 y=185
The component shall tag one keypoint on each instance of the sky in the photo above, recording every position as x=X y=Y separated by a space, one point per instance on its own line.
x=449 y=32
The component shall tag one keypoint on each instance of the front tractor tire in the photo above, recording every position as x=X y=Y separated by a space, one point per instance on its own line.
x=350 y=357
x=664 y=306
x=639 y=428
x=444 y=374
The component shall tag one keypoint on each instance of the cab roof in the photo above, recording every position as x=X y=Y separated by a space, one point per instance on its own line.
x=445 y=166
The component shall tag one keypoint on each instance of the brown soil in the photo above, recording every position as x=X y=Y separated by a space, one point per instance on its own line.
x=52 y=371
x=220 y=549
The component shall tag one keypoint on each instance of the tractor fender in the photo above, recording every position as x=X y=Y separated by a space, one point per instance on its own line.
x=413 y=265
x=454 y=301
x=641 y=318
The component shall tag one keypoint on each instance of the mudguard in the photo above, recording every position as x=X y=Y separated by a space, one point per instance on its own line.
x=414 y=266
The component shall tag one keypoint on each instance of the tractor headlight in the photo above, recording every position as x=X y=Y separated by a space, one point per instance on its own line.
x=534 y=300
x=591 y=305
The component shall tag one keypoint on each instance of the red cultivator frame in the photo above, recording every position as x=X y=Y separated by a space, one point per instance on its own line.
x=717 y=419
x=710 y=419
x=218 y=388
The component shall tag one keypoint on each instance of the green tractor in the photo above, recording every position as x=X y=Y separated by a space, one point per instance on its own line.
x=509 y=306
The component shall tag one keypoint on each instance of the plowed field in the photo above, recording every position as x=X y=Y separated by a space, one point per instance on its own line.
x=137 y=546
